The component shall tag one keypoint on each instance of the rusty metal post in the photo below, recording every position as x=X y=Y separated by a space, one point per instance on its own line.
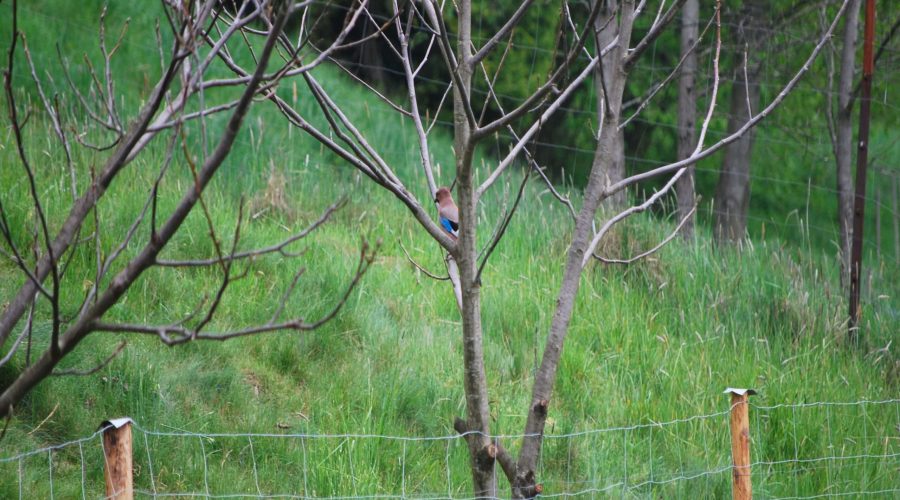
x=740 y=443
x=862 y=154
x=117 y=459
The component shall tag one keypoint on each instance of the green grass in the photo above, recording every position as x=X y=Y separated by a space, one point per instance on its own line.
x=653 y=342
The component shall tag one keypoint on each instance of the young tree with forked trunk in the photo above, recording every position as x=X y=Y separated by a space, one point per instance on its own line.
x=610 y=59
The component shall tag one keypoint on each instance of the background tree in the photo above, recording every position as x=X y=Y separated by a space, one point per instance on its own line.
x=687 y=111
x=843 y=136
x=732 y=198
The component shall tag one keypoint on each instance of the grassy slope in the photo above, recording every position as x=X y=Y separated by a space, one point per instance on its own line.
x=653 y=342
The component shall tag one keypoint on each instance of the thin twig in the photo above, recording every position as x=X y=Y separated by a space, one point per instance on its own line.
x=656 y=30
x=91 y=371
x=644 y=102
x=176 y=334
x=251 y=254
x=653 y=250
x=419 y=266
x=703 y=153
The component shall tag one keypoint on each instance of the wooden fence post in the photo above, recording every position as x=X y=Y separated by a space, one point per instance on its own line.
x=117 y=467
x=740 y=443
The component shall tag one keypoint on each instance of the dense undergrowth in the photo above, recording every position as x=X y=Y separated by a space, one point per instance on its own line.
x=651 y=342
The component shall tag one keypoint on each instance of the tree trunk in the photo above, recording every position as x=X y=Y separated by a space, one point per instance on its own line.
x=474 y=377
x=843 y=148
x=610 y=139
x=687 y=112
x=733 y=190
x=613 y=170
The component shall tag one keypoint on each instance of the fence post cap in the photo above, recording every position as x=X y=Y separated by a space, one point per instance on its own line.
x=116 y=423
x=739 y=392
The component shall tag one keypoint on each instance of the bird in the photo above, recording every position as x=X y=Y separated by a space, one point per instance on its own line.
x=448 y=214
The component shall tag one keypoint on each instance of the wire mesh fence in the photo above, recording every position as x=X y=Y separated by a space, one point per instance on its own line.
x=856 y=452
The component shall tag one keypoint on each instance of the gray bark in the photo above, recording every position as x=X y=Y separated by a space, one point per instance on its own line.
x=733 y=191
x=474 y=376
x=613 y=170
x=604 y=158
x=843 y=148
x=687 y=113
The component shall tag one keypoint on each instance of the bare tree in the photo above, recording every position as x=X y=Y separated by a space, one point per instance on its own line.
x=608 y=23
x=733 y=190
x=687 y=110
x=840 y=127
x=841 y=130
x=200 y=35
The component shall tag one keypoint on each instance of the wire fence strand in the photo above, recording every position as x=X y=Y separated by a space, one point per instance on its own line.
x=677 y=457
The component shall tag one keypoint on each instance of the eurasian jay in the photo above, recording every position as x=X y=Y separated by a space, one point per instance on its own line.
x=448 y=214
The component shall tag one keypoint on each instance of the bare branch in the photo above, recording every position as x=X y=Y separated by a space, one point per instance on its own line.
x=505 y=30
x=53 y=296
x=291 y=69
x=252 y=254
x=551 y=109
x=372 y=89
x=26 y=332
x=55 y=118
x=531 y=160
x=447 y=51
x=371 y=36
x=286 y=295
x=176 y=334
x=501 y=229
x=70 y=227
x=529 y=103
x=226 y=265
x=81 y=373
x=716 y=73
x=627 y=213
x=420 y=267
x=424 y=153
x=703 y=153
x=18 y=259
x=669 y=77
x=85 y=106
x=653 y=250
x=397 y=189
x=657 y=29
x=132 y=230
x=107 y=58
x=82 y=326
x=507 y=463
x=184 y=118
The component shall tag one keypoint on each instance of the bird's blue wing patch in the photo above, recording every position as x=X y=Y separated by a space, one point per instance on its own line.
x=447 y=224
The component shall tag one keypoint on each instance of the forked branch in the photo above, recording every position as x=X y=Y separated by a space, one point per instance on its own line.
x=703 y=153
x=176 y=333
